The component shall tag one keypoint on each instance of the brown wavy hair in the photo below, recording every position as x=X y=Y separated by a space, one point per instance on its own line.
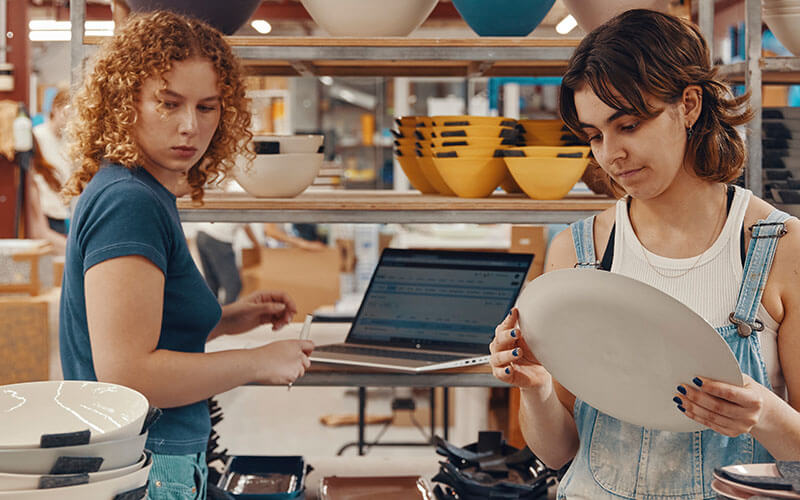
x=105 y=106
x=645 y=53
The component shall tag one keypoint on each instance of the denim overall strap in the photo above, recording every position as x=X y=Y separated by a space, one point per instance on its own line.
x=764 y=241
x=583 y=239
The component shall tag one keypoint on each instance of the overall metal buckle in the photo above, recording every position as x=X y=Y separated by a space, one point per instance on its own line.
x=744 y=328
x=583 y=265
x=782 y=231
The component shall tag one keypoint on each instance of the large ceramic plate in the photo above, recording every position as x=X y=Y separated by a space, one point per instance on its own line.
x=621 y=345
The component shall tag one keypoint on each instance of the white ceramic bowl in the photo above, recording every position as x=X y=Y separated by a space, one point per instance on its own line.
x=369 y=17
x=278 y=176
x=12 y=482
x=592 y=13
x=289 y=143
x=100 y=490
x=784 y=27
x=115 y=454
x=31 y=409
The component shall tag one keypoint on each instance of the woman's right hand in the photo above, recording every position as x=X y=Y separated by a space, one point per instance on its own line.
x=512 y=360
x=282 y=362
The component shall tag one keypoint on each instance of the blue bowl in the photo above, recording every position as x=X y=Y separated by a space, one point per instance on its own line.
x=503 y=17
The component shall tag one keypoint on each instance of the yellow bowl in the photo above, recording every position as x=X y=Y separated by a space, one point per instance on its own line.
x=405 y=151
x=509 y=185
x=432 y=175
x=551 y=151
x=474 y=131
x=472 y=177
x=468 y=120
x=406 y=121
x=546 y=178
x=416 y=178
x=407 y=142
x=466 y=152
x=480 y=142
x=531 y=126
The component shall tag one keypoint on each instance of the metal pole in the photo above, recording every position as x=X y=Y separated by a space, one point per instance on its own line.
x=752 y=22
x=77 y=17
x=705 y=19
x=3 y=30
x=402 y=88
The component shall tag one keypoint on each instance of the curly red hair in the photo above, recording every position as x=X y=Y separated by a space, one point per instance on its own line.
x=105 y=106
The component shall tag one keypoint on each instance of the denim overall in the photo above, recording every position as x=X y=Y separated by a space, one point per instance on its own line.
x=621 y=460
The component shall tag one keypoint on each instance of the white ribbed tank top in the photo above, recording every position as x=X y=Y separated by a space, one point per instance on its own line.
x=711 y=288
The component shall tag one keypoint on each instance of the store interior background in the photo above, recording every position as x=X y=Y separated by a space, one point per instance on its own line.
x=355 y=115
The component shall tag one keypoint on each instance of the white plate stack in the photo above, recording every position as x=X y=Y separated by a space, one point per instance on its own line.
x=284 y=165
x=783 y=17
x=73 y=440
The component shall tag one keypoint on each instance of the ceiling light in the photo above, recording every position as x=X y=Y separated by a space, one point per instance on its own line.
x=49 y=36
x=566 y=25
x=53 y=25
x=261 y=26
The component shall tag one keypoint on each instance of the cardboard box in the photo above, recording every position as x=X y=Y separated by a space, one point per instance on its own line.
x=310 y=277
x=530 y=239
x=25 y=342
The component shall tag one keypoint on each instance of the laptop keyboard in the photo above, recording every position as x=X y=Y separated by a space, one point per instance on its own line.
x=370 y=351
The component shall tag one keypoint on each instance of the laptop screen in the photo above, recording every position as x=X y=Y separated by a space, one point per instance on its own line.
x=441 y=300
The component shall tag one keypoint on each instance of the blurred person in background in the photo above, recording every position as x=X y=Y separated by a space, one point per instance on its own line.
x=46 y=211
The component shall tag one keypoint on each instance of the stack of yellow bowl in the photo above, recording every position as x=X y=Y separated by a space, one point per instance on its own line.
x=547 y=172
x=464 y=155
x=545 y=133
x=405 y=150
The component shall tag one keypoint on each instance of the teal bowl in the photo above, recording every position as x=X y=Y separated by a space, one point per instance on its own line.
x=503 y=17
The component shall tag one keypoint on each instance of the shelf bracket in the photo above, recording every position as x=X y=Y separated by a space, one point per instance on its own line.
x=303 y=68
x=478 y=68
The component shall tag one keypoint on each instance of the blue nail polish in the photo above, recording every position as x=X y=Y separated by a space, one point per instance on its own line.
x=681 y=408
x=508 y=370
x=697 y=382
x=677 y=400
x=514 y=333
x=682 y=389
x=515 y=352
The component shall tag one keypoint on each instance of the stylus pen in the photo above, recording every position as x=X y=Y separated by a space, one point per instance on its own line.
x=305 y=332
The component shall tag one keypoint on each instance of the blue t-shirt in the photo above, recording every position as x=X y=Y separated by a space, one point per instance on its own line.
x=128 y=212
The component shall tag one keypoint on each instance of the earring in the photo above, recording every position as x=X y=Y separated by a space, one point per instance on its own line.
x=690 y=132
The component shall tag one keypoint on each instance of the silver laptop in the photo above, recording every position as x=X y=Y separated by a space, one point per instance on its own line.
x=429 y=310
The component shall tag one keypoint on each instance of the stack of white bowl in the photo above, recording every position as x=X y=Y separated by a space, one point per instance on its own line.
x=73 y=440
x=284 y=166
x=783 y=18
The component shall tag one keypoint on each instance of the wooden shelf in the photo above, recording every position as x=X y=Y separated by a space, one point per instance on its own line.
x=774 y=70
x=389 y=206
x=401 y=56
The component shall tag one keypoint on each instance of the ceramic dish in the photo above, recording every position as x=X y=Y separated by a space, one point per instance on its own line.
x=621 y=345
x=769 y=470
x=102 y=490
x=32 y=409
x=385 y=488
x=727 y=492
x=11 y=482
x=115 y=454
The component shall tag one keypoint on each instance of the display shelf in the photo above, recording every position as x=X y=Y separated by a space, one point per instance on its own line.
x=774 y=70
x=400 y=56
x=390 y=206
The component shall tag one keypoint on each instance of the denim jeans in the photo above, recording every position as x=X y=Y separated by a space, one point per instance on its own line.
x=178 y=477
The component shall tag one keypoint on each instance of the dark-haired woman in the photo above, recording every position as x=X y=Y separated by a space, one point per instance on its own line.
x=642 y=91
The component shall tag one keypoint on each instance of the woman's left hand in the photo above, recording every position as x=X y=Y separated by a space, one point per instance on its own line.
x=257 y=309
x=725 y=408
